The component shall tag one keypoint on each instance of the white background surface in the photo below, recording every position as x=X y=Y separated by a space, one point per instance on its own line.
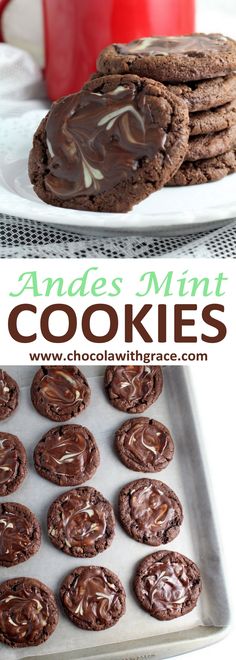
x=214 y=391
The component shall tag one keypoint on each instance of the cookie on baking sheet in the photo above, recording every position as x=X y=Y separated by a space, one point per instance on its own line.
x=60 y=393
x=167 y=584
x=206 y=94
x=181 y=58
x=13 y=463
x=204 y=171
x=67 y=455
x=81 y=522
x=28 y=612
x=208 y=146
x=9 y=395
x=93 y=597
x=133 y=389
x=144 y=445
x=110 y=145
x=150 y=511
x=20 y=534
x=214 y=120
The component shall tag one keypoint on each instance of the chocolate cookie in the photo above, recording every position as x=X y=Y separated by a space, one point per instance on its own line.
x=93 y=597
x=9 y=394
x=28 y=612
x=150 y=511
x=144 y=445
x=183 y=58
x=67 y=455
x=204 y=171
x=209 y=146
x=13 y=463
x=109 y=146
x=167 y=584
x=60 y=393
x=214 y=120
x=133 y=389
x=206 y=94
x=81 y=522
x=20 y=534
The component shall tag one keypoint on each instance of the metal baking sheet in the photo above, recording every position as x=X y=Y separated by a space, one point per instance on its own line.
x=136 y=634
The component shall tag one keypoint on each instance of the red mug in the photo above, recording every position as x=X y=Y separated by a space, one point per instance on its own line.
x=3 y=4
x=77 y=30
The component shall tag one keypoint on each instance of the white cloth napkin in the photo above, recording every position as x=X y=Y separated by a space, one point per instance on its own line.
x=21 y=82
x=23 y=26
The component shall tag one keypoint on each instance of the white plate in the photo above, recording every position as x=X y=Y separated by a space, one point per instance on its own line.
x=169 y=211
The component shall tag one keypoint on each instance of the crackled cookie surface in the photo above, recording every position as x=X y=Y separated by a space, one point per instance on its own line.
x=212 y=145
x=205 y=170
x=202 y=95
x=214 y=120
x=179 y=58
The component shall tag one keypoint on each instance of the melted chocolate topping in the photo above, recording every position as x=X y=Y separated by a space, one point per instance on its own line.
x=166 y=584
x=132 y=383
x=96 y=139
x=62 y=387
x=150 y=508
x=24 y=612
x=81 y=523
x=9 y=461
x=146 y=442
x=67 y=451
x=93 y=596
x=173 y=45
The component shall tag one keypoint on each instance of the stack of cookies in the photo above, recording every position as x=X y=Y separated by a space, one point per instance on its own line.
x=159 y=111
x=199 y=69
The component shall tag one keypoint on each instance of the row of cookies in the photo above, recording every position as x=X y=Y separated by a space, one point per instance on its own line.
x=128 y=132
x=87 y=590
x=81 y=522
x=167 y=585
x=68 y=455
x=61 y=393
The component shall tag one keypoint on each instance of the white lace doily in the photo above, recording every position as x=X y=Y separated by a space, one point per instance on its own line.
x=27 y=238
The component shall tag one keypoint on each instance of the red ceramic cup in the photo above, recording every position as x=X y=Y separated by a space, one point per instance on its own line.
x=76 y=31
x=3 y=4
